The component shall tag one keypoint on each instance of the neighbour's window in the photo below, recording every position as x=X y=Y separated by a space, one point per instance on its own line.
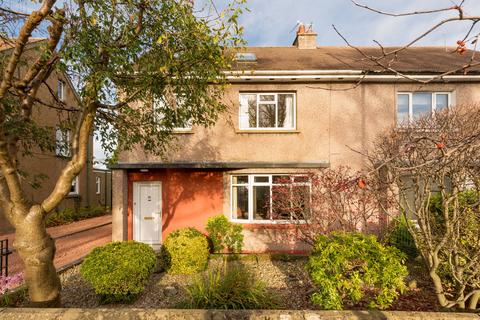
x=61 y=90
x=266 y=111
x=413 y=105
x=74 y=187
x=179 y=124
x=62 y=142
x=253 y=196
x=98 y=183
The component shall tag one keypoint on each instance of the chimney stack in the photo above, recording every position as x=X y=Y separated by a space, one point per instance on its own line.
x=306 y=38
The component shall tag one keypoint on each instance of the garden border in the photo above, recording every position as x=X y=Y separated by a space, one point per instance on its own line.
x=144 y=314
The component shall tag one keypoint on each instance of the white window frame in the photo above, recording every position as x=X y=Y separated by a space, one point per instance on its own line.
x=275 y=94
x=75 y=191
x=158 y=104
x=61 y=90
x=410 y=102
x=251 y=183
x=62 y=147
x=98 y=184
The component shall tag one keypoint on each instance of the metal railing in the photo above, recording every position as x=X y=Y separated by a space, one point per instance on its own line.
x=4 y=253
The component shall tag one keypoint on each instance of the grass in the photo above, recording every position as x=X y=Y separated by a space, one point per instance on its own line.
x=229 y=287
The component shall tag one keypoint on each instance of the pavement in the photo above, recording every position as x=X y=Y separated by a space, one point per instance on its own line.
x=73 y=241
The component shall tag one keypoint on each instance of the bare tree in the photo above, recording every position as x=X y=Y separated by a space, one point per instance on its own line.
x=141 y=49
x=438 y=156
x=386 y=59
x=338 y=199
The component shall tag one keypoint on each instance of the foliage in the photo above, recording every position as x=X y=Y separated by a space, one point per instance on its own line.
x=122 y=56
x=185 y=251
x=399 y=236
x=431 y=169
x=69 y=215
x=224 y=235
x=119 y=271
x=230 y=287
x=353 y=268
x=337 y=199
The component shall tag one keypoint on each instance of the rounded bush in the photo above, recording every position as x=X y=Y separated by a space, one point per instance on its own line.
x=224 y=235
x=185 y=251
x=119 y=271
x=353 y=268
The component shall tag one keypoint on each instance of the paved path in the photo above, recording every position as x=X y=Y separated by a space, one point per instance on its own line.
x=73 y=241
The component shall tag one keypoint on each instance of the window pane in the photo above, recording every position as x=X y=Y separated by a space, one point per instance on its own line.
x=281 y=206
x=252 y=111
x=267 y=97
x=422 y=104
x=402 y=108
x=442 y=101
x=300 y=201
x=261 y=200
x=301 y=179
x=261 y=179
x=266 y=114
x=240 y=179
x=281 y=179
x=285 y=111
x=240 y=202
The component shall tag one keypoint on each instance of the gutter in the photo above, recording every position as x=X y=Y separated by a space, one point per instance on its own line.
x=336 y=76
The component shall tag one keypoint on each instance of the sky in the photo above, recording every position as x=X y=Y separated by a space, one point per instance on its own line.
x=273 y=23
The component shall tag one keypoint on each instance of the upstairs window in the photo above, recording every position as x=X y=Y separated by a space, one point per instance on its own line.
x=413 y=105
x=62 y=142
x=61 y=90
x=267 y=111
x=179 y=124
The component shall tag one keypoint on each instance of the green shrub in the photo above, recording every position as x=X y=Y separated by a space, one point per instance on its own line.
x=69 y=215
x=185 y=251
x=231 y=287
x=224 y=235
x=399 y=237
x=353 y=268
x=119 y=271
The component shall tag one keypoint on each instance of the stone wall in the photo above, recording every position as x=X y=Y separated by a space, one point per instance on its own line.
x=147 y=314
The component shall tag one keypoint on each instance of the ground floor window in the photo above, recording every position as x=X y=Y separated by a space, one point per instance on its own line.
x=253 y=196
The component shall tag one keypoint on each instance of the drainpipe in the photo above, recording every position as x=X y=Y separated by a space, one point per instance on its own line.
x=88 y=166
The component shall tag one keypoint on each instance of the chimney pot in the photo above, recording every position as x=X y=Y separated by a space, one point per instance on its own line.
x=305 y=39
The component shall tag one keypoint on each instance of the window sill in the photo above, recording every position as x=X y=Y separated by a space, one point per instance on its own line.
x=266 y=131
x=267 y=224
x=73 y=195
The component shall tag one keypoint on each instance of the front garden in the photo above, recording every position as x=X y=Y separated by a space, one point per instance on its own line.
x=344 y=271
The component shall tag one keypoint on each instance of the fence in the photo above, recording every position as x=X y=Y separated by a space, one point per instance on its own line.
x=4 y=253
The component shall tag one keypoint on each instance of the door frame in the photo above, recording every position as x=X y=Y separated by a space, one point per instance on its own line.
x=135 y=212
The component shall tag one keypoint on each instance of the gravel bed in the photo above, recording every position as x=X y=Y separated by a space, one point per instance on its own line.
x=286 y=278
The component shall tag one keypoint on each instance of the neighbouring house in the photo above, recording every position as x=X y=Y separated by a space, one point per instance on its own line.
x=44 y=167
x=103 y=187
x=293 y=110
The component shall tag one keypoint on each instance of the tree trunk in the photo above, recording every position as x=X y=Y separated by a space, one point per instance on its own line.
x=37 y=250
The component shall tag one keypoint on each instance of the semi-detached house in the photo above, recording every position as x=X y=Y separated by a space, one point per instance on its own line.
x=292 y=110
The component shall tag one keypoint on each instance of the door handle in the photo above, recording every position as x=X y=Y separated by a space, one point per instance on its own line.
x=148 y=218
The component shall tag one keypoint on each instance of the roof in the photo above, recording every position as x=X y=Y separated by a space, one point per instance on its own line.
x=216 y=165
x=414 y=60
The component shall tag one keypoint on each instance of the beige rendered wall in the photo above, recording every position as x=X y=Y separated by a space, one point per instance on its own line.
x=329 y=123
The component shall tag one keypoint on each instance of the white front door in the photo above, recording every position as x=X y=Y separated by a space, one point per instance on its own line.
x=147 y=212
